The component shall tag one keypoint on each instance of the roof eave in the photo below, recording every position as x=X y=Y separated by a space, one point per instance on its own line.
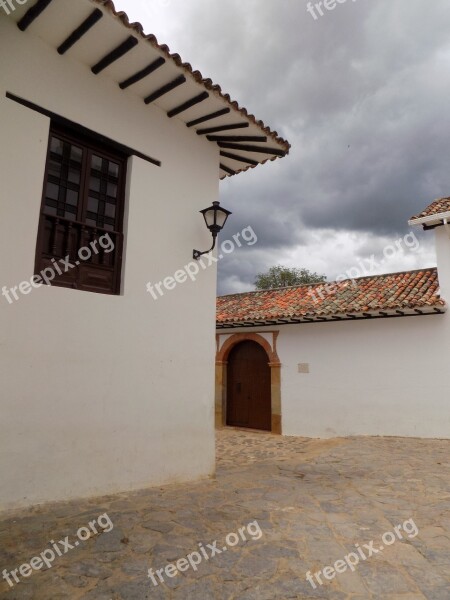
x=351 y=316
x=438 y=219
x=140 y=65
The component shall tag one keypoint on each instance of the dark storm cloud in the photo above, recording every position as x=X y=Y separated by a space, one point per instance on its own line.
x=362 y=95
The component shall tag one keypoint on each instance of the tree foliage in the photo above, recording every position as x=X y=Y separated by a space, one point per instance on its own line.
x=280 y=276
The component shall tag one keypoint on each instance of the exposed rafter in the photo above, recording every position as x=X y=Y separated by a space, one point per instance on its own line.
x=165 y=89
x=78 y=33
x=331 y=319
x=243 y=159
x=188 y=104
x=72 y=30
x=259 y=149
x=214 y=115
x=237 y=138
x=227 y=169
x=222 y=128
x=115 y=54
x=32 y=14
x=156 y=64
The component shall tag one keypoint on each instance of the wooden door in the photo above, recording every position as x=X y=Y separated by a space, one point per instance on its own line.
x=248 y=387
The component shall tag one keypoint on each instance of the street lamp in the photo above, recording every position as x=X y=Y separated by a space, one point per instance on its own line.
x=215 y=218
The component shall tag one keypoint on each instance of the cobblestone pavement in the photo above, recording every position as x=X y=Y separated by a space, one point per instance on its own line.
x=313 y=501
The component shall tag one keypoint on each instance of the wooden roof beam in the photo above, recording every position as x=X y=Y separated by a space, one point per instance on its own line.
x=222 y=128
x=227 y=169
x=165 y=89
x=244 y=148
x=115 y=54
x=186 y=105
x=237 y=138
x=78 y=33
x=214 y=115
x=244 y=159
x=32 y=14
x=156 y=64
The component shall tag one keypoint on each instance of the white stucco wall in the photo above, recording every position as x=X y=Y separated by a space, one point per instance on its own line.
x=371 y=377
x=442 y=241
x=102 y=393
x=382 y=377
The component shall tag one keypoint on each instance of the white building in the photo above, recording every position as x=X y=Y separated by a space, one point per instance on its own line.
x=109 y=145
x=368 y=357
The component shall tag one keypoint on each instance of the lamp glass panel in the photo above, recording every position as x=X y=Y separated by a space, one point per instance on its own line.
x=209 y=217
x=221 y=218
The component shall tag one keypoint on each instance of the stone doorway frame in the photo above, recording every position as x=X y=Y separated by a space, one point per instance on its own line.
x=225 y=342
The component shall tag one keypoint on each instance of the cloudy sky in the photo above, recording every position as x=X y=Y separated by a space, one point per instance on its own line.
x=363 y=95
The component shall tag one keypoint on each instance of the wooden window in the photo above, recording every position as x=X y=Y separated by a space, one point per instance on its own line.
x=81 y=218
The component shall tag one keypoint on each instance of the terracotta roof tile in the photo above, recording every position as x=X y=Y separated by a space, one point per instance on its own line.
x=440 y=206
x=406 y=291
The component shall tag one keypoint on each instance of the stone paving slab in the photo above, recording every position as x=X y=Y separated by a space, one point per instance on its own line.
x=300 y=504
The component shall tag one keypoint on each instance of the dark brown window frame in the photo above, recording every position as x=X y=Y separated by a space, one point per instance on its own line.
x=67 y=236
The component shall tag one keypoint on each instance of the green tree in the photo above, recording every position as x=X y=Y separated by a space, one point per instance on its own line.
x=280 y=276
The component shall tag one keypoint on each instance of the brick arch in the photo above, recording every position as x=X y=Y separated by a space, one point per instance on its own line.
x=237 y=338
x=221 y=375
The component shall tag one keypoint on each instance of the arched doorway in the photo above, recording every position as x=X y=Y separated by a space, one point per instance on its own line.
x=249 y=387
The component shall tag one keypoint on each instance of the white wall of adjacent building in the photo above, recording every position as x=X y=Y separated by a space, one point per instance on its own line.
x=383 y=377
x=380 y=377
x=102 y=393
x=442 y=241
x=370 y=377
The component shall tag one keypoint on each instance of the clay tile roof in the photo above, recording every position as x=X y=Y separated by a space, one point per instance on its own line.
x=149 y=71
x=437 y=209
x=410 y=292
